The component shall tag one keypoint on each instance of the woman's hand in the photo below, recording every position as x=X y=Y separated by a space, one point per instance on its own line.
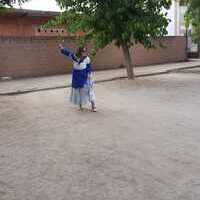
x=61 y=46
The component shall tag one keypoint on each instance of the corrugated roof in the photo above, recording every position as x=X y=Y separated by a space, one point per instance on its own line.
x=26 y=12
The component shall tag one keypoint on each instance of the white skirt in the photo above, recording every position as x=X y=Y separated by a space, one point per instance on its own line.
x=82 y=96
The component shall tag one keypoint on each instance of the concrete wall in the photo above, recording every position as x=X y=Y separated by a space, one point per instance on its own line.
x=39 y=56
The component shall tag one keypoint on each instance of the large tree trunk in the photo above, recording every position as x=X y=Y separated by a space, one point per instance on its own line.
x=128 y=61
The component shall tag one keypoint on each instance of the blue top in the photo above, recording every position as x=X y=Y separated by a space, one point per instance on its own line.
x=81 y=68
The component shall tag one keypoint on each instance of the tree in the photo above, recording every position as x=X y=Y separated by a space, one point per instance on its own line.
x=124 y=22
x=9 y=3
x=192 y=18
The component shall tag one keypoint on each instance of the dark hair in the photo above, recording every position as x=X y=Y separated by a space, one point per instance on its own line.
x=80 y=51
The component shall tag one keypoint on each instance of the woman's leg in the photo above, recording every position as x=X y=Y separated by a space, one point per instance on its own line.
x=80 y=107
x=81 y=96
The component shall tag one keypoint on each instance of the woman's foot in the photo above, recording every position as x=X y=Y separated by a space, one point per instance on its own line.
x=94 y=109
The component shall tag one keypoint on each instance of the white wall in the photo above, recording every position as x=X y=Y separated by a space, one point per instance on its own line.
x=171 y=26
x=176 y=14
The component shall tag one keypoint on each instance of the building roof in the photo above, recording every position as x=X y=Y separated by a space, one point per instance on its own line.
x=35 y=13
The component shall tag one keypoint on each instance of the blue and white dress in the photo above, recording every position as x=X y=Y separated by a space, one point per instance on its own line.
x=82 y=90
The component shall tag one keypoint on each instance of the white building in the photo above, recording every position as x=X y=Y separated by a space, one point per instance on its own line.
x=176 y=15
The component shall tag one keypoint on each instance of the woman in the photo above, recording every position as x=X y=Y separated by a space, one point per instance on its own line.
x=82 y=90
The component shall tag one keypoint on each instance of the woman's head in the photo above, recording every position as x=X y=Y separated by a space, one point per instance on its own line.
x=81 y=52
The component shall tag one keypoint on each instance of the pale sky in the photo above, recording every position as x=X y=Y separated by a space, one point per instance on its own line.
x=46 y=5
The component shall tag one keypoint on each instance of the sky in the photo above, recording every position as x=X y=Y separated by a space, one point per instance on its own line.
x=46 y=5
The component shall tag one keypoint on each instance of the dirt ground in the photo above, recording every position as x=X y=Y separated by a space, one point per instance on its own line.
x=142 y=144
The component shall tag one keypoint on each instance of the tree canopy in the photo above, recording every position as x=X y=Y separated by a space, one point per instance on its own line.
x=9 y=3
x=192 y=17
x=124 y=22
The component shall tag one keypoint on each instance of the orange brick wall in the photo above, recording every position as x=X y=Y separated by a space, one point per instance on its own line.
x=19 y=26
x=39 y=56
x=27 y=26
x=174 y=51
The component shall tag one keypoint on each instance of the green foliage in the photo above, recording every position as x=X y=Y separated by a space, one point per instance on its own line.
x=3 y=3
x=120 y=21
x=193 y=17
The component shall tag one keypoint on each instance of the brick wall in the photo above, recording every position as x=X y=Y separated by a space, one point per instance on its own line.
x=174 y=51
x=19 y=26
x=38 y=56
x=13 y=25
